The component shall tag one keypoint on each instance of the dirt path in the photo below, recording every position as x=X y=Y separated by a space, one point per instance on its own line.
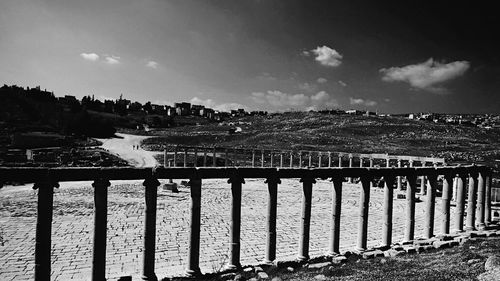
x=127 y=147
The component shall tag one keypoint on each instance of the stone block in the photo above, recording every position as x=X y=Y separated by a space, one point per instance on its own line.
x=319 y=265
x=339 y=259
x=262 y=276
x=171 y=187
x=372 y=254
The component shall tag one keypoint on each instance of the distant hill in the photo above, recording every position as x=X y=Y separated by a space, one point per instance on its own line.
x=30 y=110
x=345 y=133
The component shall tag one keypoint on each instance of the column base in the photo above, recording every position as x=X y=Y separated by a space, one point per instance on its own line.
x=470 y=228
x=301 y=258
x=481 y=226
x=232 y=267
x=149 y=278
x=193 y=272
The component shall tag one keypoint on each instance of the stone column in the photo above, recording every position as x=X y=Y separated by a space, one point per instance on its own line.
x=165 y=160
x=319 y=159
x=340 y=161
x=329 y=159
x=262 y=157
x=307 y=184
x=400 y=185
x=422 y=182
x=487 y=208
x=448 y=181
x=471 y=202
x=214 y=158
x=272 y=203
x=481 y=192
x=430 y=206
x=350 y=166
x=185 y=157
x=195 y=157
x=281 y=159
x=234 y=260
x=455 y=184
x=300 y=159
x=388 y=207
x=43 y=236
x=459 y=214
x=310 y=158
x=410 y=208
x=291 y=159
x=364 y=203
x=195 y=226
x=175 y=156
x=100 y=224
x=148 y=264
x=336 y=209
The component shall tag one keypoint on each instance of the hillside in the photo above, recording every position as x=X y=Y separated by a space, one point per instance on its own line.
x=315 y=131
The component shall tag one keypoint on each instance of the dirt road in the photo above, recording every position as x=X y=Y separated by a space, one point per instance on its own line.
x=127 y=147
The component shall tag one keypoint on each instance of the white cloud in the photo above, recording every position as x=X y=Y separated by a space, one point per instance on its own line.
x=152 y=64
x=363 y=102
x=427 y=74
x=112 y=60
x=266 y=76
x=307 y=87
x=279 y=100
x=321 y=80
x=327 y=56
x=342 y=83
x=90 y=56
x=209 y=103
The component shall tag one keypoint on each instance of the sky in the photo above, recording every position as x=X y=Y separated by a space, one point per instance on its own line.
x=384 y=56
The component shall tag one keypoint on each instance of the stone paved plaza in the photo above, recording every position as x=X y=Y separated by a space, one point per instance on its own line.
x=73 y=226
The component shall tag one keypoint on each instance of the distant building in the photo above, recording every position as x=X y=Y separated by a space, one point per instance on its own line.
x=196 y=109
x=135 y=106
x=158 y=109
x=354 y=112
x=183 y=108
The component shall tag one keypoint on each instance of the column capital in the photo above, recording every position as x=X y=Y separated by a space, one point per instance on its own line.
x=236 y=179
x=45 y=184
x=101 y=182
x=308 y=180
x=151 y=182
x=273 y=180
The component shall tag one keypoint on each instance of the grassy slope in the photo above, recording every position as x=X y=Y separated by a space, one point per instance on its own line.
x=465 y=262
x=314 y=131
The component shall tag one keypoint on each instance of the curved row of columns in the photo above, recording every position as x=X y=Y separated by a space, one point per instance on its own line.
x=478 y=215
x=305 y=158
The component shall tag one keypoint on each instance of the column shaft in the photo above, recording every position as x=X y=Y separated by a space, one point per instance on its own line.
x=148 y=269
x=460 y=204
x=194 y=230
x=445 y=207
x=336 y=210
x=410 y=208
x=430 y=205
x=471 y=203
x=364 y=203
x=307 y=184
x=487 y=208
x=236 y=185
x=481 y=192
x=272 y=203
x=43 y=238
x=388 y=206
x=100 y=224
